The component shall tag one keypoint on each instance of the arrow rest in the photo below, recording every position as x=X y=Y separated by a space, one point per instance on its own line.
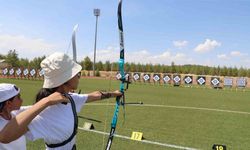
x=126 y=81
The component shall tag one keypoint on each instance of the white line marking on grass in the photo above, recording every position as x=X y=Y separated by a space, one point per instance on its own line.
x=197 y=108
x=181 y=107
x=143 y=141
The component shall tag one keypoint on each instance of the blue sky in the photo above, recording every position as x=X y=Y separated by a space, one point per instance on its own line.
x=205 y=32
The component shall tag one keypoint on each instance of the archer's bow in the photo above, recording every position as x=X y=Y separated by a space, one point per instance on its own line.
x=74 y=46
x=119 y=99
x=74 y=42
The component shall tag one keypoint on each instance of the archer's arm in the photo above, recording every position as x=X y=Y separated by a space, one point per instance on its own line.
x=99 y=95
x=19 y=124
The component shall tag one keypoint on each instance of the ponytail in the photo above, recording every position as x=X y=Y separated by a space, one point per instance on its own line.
x=44 y=92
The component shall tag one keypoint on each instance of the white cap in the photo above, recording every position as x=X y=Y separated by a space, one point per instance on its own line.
x=58 y=69
x=8 y=91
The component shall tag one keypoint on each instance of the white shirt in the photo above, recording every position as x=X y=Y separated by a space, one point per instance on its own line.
x=55 y=124
x=19 y=144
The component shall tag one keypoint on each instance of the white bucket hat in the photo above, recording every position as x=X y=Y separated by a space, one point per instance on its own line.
x=58 y=69
x=8 y=91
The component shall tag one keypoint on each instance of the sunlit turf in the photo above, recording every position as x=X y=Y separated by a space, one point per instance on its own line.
x=191 y=118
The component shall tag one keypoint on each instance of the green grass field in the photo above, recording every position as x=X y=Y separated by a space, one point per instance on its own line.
x=183 y=117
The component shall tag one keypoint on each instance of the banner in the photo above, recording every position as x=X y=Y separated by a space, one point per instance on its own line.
x=241 y=82
x=228 y=82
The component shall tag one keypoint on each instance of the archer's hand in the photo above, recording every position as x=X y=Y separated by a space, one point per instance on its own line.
x=116 y=93
x=56 y=98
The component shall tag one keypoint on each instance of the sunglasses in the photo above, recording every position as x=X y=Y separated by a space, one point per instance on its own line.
x=79 y=75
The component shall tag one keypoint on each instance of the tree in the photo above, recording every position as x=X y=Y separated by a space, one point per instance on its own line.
x=141 y=68
x=35 y=63
x=192 y=69
x=218 y=71
x=23 y=63
x=173 y=69
x=212 y=71
x=2 y=56
x=107 y=66
x=177 y=69
x=149 y=68
x=186 y=69
x=224 y=71
x=235 y=72
x=97 y=73
x=82 y=64
x=206 y=70
x=157 y=68
x=166 y=69
x=242 y=72
x=230 y=71
x=99 y=66
x=198 y=70
x=127 y=67
x=248 y=73
x=12 y=58
x=114 y=66
x=87 y=63
x=133 y=67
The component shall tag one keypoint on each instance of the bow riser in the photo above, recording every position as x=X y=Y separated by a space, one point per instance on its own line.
x=122 y=73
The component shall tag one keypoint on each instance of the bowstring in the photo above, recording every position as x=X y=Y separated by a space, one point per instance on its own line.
x=69 y=46
x=106 y=107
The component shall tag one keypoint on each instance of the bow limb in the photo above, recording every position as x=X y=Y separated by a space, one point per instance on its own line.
x=74 y=42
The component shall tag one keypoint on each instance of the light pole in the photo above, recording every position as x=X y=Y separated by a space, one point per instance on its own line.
x=97 y=14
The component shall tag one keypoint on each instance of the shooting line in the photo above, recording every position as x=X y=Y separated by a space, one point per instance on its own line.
x=143 y=141
x=177 y=107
